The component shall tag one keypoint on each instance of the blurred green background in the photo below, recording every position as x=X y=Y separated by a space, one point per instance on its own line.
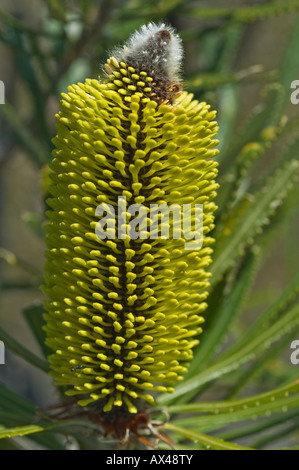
x=232 y=50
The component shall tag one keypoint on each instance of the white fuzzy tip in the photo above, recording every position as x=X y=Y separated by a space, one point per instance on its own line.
x=155 y=49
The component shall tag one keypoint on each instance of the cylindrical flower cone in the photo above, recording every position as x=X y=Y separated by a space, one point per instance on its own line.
x=124 y=312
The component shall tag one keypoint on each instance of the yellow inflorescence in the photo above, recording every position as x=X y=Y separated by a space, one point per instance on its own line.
x=123 y=315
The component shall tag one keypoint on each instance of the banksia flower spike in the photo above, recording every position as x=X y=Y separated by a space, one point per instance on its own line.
x=124 y=312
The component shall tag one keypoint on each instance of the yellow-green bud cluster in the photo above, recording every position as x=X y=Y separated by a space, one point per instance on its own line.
x=123 y=315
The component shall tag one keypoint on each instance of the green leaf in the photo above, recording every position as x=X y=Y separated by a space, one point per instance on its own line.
x=208 y=442
x=10 y=444
x=234 y=360
x=33 y=428
x=233 y=411
x=34 y=318
x=259 y=367
x=262 y=116
x=228 y=114
x=34 y=149
x=245 y=228
x=14 y=407
x=224 y=313
x=215 y=422
x=290 y=64
x=22 y=351
x=15 y=23
x=246 y=14
x=266 y=319
x=272 y=400
x=276 y=435
x=261 y=426
x=20 y=431
x=16 y=411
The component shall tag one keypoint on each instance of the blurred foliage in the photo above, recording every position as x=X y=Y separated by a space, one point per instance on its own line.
x=241 y=355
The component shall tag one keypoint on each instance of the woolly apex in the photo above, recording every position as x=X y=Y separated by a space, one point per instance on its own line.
x=155 y=49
